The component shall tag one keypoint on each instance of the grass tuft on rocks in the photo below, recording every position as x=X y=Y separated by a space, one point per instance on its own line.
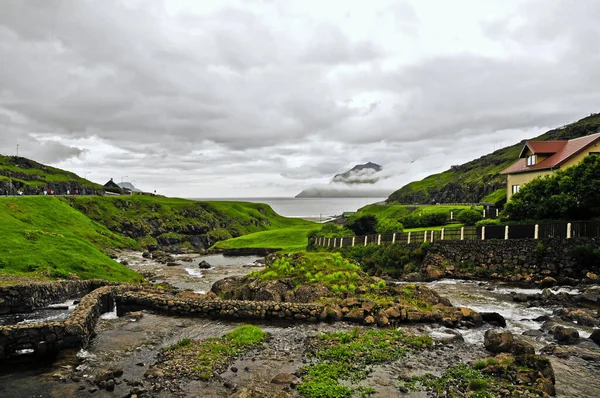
x=203 y=359
x=347 y=357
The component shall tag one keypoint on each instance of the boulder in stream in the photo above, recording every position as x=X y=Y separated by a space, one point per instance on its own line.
x=498 y=341
x=204 y=265
x=566 y=335
x=493 y=318
x=595 y=336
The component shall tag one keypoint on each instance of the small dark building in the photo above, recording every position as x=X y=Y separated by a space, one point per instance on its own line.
x=111 y=184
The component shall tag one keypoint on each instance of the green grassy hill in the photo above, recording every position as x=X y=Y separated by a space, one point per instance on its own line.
x=179 y=224
x=32 y=178
x=479 y=180
x=45 y=237
x=291 y=239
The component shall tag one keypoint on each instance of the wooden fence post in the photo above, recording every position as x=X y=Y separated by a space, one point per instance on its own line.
x=451 y=216
x=394 y=238
x=442 y=234
x=379 y=239
x=536 y=231
x=462 y=233
x=568 y=230
x=496 y=212
x=366 y=236
x=424 y=236
x=432 y=233
x=408 y=241
x=328 y=242
x=506 y=232
x=483 y=233
x=353 y=240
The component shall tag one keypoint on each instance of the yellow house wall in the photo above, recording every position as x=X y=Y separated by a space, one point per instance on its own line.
x=522 y=179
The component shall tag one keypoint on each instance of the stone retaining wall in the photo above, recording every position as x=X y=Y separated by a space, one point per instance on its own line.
x=27 y=297
x=47 y=337
x=533 y=258
x=223 y=309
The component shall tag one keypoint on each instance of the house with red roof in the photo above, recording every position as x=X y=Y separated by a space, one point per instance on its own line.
x=540 y=158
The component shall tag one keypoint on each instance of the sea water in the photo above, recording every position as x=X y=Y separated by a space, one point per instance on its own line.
x=314 y=208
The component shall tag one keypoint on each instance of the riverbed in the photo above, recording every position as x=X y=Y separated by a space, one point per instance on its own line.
x=131 y=343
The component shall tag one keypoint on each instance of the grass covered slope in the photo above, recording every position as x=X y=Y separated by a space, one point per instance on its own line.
x=30 y=177
x=44 y=236
x=289 y=239
x=472 y=181
x=180 y=224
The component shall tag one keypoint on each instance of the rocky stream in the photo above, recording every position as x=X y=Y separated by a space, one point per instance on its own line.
x=125 y=348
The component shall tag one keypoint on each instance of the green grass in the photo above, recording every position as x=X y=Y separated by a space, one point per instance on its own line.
x=291 y=239
x=203 y=359
x=348 y=357
x=44 y=236
x=330 y=269
x=438 y=228
x=495 y=196
x=147 y=218
x=32 y=177
x=397 y=211
x=465 y=182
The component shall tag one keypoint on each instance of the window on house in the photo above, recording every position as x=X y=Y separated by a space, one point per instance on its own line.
x=531 y=160
x=515 y=188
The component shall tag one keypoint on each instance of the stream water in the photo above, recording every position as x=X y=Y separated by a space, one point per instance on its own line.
x=132 y=343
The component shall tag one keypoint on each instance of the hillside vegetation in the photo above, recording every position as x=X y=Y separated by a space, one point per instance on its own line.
x=178 y=225
x=479 y=179
x=32 y=178
x=44 y=237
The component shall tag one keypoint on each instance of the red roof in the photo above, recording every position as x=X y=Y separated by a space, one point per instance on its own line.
x=544 y=147
x=563 y=151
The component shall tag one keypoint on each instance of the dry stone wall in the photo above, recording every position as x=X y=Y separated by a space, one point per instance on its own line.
x=27 y=297
x=533 y=258
x=47 y=337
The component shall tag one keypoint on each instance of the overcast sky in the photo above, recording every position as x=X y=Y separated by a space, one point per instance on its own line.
x=265 y=98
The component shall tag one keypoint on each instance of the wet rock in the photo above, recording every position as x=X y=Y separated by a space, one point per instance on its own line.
x=230 y=385
x=595 y=336
x=393 y=313
x=172 y=264
x=234 y=369
x=493 y=318
x=350 y=302
x=498 y=341
x=566 y=335
x=103 y=376
x=204 y=265
x=310 y=293
x=368 y=305
x=369 y=320
x=547 y=282
x=519 y=297
x=154 y=373
x=533 y=333
x=521 y=347
x=93 y=389
x=283 y=378
x=581 y=316
x=110 y=385
x=146 y=254
x=118 y=372
x=356 y=315
x=591 y=277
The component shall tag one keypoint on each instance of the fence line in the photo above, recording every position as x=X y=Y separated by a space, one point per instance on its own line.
x=561 y=230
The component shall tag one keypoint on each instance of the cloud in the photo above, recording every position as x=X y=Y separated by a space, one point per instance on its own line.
x=267 y=98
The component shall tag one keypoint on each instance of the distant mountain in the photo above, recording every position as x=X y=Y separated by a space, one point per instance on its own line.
x=359 y=174
x=350 y=184
x=18 y=174
x=479 y=180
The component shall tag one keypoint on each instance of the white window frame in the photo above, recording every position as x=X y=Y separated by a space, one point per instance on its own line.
x=515 y=189
x=531 y=160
